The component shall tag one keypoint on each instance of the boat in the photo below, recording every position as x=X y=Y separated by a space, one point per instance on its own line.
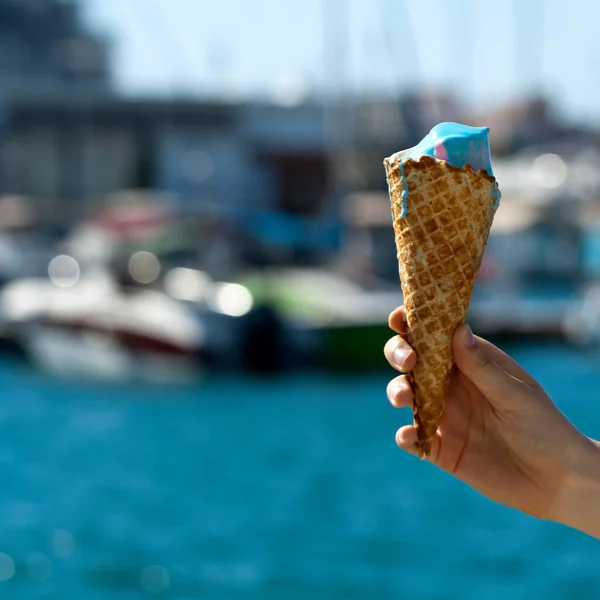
x=97 y=328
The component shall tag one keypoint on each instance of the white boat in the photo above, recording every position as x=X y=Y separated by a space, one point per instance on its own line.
x=96 y=328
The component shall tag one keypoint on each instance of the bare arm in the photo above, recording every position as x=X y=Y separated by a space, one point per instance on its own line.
x=578 y=504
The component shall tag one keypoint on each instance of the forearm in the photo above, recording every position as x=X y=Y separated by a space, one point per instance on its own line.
x=579 y=502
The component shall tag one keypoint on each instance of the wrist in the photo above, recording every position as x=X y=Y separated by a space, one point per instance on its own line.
x=578 y=504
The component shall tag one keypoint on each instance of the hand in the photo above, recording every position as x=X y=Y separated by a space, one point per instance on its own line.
x=501 y=433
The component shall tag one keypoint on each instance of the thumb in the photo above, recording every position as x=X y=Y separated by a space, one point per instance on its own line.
x=476 y=363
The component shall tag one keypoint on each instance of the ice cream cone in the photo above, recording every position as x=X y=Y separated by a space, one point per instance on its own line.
x=442 y=218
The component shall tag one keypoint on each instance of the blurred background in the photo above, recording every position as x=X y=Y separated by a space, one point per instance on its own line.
x=197 y=264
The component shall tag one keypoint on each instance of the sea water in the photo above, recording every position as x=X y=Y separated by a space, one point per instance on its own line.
x=287 y=488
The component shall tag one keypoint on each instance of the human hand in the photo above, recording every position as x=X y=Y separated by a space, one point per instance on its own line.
x=501 y=433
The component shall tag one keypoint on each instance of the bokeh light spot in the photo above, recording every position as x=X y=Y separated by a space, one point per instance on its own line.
x=144 y=267
x=63 y=271
x=39 y=566
x=549 y=170
x=62 y=543
x=7 y=567
x=155 y=579
x=230 y=299
x=187 y=284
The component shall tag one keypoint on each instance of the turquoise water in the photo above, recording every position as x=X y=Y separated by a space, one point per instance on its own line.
x=290 y=488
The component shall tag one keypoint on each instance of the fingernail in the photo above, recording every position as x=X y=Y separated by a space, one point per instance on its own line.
x=392 y=390
x=468 y=337
x=407 y=440
x=400 y=357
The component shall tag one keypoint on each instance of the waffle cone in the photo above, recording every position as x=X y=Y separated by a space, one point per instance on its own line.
x=440 y=243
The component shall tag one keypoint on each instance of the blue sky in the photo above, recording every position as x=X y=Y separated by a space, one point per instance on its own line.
x=485 y=51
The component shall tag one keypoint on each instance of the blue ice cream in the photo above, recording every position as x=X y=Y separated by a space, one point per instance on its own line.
x=454 y=143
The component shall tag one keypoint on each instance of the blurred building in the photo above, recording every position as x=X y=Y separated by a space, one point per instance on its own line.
x=382 y=126
x=44 y=49
x=47 y=57
x=68 y=152
x=530 y=122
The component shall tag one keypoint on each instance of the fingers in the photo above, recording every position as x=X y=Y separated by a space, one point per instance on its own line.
x=397 y=320
x=407 y=440
x=400 y=355
x=477 y=362
x=397 y=350
x=399 y=392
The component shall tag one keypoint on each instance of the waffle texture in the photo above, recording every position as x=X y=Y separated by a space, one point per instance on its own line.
x=440 y=243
